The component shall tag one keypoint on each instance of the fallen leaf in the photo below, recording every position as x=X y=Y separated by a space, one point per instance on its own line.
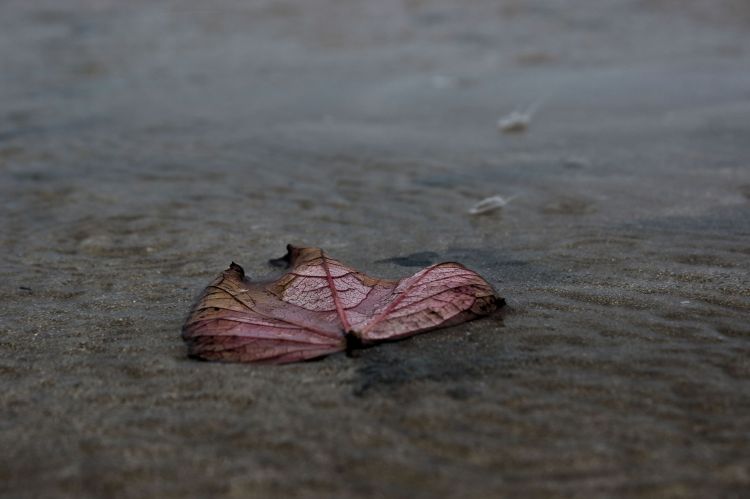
x=321 y=306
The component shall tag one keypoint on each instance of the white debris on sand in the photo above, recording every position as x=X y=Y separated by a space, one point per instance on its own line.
x=514 y=122
x=491 y=203
x=517 y=121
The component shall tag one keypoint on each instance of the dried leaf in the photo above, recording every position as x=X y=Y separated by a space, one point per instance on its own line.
x=321 y=306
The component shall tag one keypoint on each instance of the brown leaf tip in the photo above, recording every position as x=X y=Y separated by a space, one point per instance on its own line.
x=488 y=304
x=237 y=268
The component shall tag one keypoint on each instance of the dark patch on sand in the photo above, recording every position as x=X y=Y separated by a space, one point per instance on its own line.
x=419 y=259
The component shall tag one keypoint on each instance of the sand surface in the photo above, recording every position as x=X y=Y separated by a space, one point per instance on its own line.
x=144 y=145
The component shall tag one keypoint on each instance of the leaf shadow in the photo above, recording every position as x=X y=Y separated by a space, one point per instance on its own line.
x=440 y=356
x=419 y=259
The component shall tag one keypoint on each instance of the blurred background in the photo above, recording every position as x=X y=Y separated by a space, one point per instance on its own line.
x=146 y=144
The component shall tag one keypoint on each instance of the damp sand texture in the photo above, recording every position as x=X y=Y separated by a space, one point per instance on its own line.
x=146 y=145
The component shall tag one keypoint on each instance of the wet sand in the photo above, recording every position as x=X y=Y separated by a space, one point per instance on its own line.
x=145 y=146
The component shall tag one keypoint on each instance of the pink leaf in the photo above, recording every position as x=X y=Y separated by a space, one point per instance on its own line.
x=320 y=305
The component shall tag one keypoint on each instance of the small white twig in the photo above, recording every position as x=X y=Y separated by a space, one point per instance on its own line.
x=491 y=203
x=518 y=121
